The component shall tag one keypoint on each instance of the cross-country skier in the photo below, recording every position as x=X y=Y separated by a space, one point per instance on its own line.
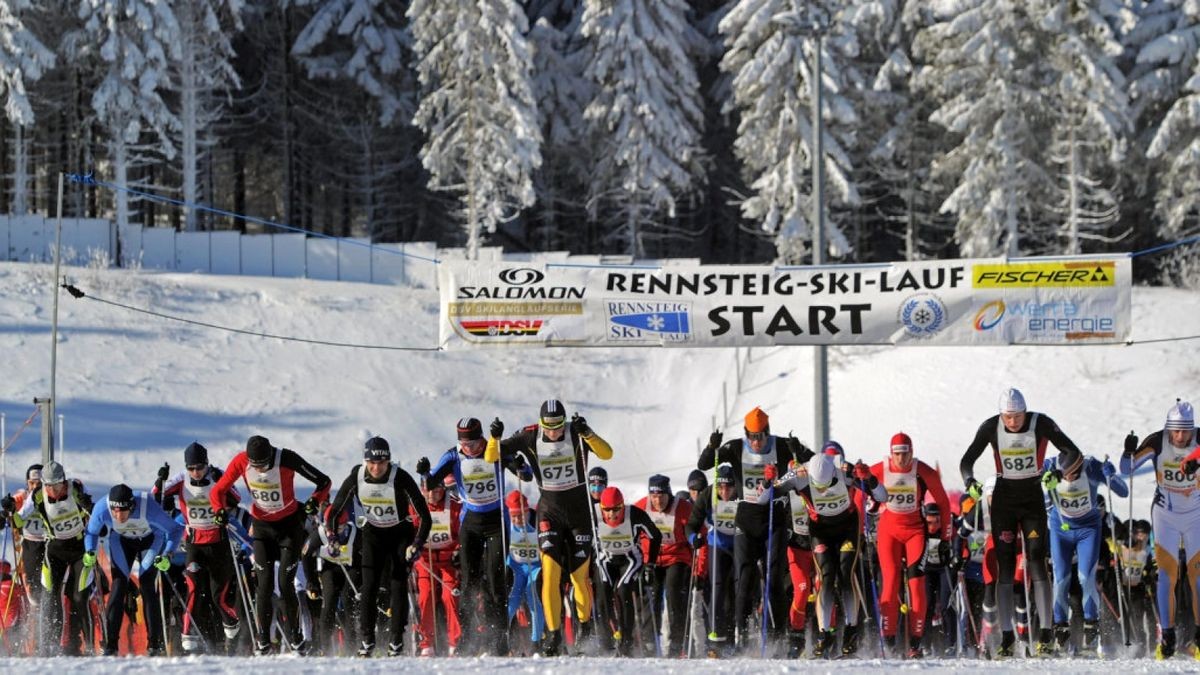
x=525 y=563
x=1175 y=514
x=208 y=568
x=757 y=459
x=1018 y=440
x=1137 y=572
x=31 y=537
x=141 y=539
x=333 y=561
x=278 y=528
x=716 y=510
x=671 y=570
x=619 y=529
x=1076 y=530
x=901 y=537
x=802 y=570
x=390 y=543
x=481 y=532
x=63 y=507
x=835 y=507
x=558 y=452
x=437 y=573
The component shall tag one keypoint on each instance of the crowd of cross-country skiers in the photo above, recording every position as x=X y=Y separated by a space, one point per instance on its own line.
x=516 y=546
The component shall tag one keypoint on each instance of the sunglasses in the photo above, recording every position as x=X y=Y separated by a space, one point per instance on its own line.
x=197 y=467
x=613 y=509
x=757 y=435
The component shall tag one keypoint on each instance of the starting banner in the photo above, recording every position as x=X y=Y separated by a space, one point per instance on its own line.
x=944 y=302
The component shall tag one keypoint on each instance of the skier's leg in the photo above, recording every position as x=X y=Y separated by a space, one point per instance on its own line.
x=889 y=551
x=914 y=553
x=1062 y=548
x=1088 y=553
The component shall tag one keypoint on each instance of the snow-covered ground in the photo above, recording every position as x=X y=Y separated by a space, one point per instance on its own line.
x=498 y=666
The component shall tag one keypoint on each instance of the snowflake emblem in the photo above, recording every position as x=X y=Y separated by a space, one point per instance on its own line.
x=923 y=315
x=655 y=322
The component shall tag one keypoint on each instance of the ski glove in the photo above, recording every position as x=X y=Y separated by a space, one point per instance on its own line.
x=714 y=440
x=1050 y=479
x=974 y=489
x=162 y=563
x=1108 y=470
x=8 y=504
x=89 y=559
x=496 y=430
x=770 y=473
x=649 y=577
x=220 y=517
x=862 y=472
x=423 y=466
x=1190 y=467
x=579 y=426
x=312 y=506
x=696 y=540
x=413 y=552
x=1131 y=444
x=164 y=472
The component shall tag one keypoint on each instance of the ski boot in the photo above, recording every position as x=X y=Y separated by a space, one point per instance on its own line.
x=1091 y=637
x=914 y=647
x=889 y=644
x=1166 y=648
x=395 y=649
x=825 y=644
x=1196 y=644
x=584 y=642
x=714 y=646
x=365 y=649
x=850 y=641
x=1045 y=644
x=1062 y=636
x=795 y=644
x=1007 y=640
x=262 y=648
x=552 y=643
x=299 y=646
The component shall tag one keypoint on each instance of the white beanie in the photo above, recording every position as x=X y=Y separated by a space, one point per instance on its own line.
x=1011 y=401
x=1181 y=417
x=821 y=469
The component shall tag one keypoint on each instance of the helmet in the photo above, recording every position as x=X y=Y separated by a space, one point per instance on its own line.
x=195 y=455
x=684 y=496
x=659 y=484
x=120 y=497
x=697 y=480
x=612 y=498
x=469 y=429
x=259 y=450
x=725 y=474
x=54 y=474
x=1181 y=417
x=756 y=421
x=1011 y=401
x=552 y=414
x=821 y=470
x=376 y=449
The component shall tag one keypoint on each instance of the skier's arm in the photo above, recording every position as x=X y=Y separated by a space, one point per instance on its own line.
x=1150 y=447
x=640 y=520
x=1095 y=473
x=170 y=489
x=443 y=468
x=699 y=514
x=1069 y=454
x=237 y=467
x=27 y=510
x=404 y=481
x=295 y=462
x=597 y=445
x=349 y=489
x=96 y=523
x=983 y=436
x=933 y=483
x=171 y=531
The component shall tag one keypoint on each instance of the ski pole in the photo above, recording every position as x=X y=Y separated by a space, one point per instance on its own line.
x=353 y=588
x=655 y=618
x=248 y=604
x=188 y=612
x=691 y=603
x=866 y=568
x=162 y=614
x=713 y=555
x=1116 y=561
x=766 y=596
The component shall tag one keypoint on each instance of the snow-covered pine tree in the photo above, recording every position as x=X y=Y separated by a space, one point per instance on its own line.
x=981 y=64
x=23 y=59
x=1169 y=69
x=202 y=77
x=769 y=56
x=561 y=92
x=646 y=117
x=134 y=41
x=477 y=107
x=1090 y=131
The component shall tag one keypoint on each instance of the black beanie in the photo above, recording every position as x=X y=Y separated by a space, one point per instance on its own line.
x=377 y=449
x=259 y=450
x=120 y=497
x=697 y=480
x=195 y=454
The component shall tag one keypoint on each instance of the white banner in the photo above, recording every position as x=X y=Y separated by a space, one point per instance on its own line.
x=945 y=302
